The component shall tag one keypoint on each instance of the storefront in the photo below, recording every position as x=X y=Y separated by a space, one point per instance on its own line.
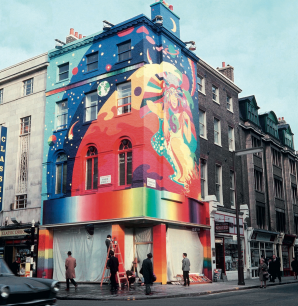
x=286 y=255
x=261 y=243
x=226 y=247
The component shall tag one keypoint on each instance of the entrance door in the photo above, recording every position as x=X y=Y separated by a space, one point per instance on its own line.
x=220 y=257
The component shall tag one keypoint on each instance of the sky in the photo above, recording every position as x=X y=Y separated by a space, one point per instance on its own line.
x=257 y=37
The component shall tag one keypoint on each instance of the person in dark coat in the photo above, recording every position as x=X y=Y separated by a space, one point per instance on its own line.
x=275 y=268
x=15 y=267
x=263 y=271
x=108 y=242
x=147 y=271
x=113 y=263
x=185 y=269
x=294 y=265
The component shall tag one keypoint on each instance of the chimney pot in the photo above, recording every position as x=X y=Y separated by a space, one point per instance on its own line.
x=223 y=64
x=76 y=34
x=282 y=118
x=71 y=31
x=80 y=36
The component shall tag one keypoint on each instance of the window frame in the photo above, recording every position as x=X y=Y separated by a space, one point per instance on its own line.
x=1 y=95
x=218 y=132
x=62 y=164
x=93 y=168
x=63 y=72
x=129 y=97
x=229 y=101
x=258 y=180
x=125 y=151
x=276 y=157
x=201 y=86
x=91 y=63
x=231 y=140
x=61 y=114
x=280 y=221
x=215 y=93
x=218 y=183
x=17 y=199
x=123 y=52
x=87 y=101
x=278 y=188
x=25 y=82
x=292 y=166
x=204 y=125
x=23 y=126
x=260 y=216
x=294 y=194
x=232 y=189
x=204 y=178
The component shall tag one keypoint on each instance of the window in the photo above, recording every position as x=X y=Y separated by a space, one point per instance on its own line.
x=278 y=188
x=231 y=139
x=252 y=114
x=21 y=201
x=124 y=51
x=204 y=186
x=91 y=168
x=25 y=125
x=124 y=98
x=294 y=194
x=202 y=120
x=201 y=83
x=61 y=173
x=292 y=167
x=217 y=132
x=229 y=104
x=258 y=175
x=256 y=143
x=215 y=94
x=91 y=106
x=92 y=61
x=280 y=221
x=260 y=210
x=296 y=224
x=63 y=71
x=232 y=189
x=218 y=185
x=125 y=163
x=276 y=158
x=28 y=87
x=1 y=96
x=62 y=114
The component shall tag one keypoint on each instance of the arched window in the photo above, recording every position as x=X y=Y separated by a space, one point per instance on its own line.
x=91 y=168
x=61 y=173
x=125 y=162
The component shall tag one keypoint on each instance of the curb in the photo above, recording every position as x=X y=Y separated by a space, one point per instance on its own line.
x=134 y=298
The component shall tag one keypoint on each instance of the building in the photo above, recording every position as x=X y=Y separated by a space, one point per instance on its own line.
x=22 y=105
x=271 y=180
x=121 y=150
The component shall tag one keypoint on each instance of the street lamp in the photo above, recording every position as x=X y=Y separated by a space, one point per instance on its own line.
x=240 y=259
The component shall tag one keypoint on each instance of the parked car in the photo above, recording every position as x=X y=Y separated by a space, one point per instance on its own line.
x=25 y=290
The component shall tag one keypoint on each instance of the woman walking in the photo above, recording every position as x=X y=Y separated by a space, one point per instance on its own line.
x=263 y=273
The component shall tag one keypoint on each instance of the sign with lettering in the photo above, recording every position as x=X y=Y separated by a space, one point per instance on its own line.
x=151 y=182
x=105 y=179
x=3 y=136
x=222 y=227
x=14 y=232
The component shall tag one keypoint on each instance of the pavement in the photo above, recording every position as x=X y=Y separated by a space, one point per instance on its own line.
x=95 y=292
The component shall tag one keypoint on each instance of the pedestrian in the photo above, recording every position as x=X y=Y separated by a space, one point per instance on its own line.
x=294 y=265
x=15 y=267
x=275 y=268
x=147 y=272
x=113 y=263
x=185 y=269
x=263 y=272
x=108 y=242
x=70 y=265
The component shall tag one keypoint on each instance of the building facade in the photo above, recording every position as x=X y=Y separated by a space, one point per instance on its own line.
x=121 y=151
x=22 y=105
x=271 y=180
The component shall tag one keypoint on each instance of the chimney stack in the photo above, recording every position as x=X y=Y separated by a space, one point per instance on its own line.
x=72 y=36
x=228 y=71
x=80 y=36
x=281 y=120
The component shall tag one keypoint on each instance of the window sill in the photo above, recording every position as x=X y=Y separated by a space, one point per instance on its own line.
x=203 y=137
x=128 y=59
x=215 y=102
x=30 y=94
x=87 y=72
x=105 y=185
x=88 y=122
x=62 y=81
x=118 y=188
x=219 y=145
x=201 y=92
x=121 y=115
x=230 y=111
x=89 y=191
x=233 y=150
x=60 y=130
x=57 y=196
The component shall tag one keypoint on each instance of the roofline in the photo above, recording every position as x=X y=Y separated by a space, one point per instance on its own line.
x=219 y=75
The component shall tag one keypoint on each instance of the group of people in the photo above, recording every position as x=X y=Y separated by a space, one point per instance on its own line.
x=269 y=269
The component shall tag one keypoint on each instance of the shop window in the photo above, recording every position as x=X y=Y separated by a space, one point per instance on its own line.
x=21 y=201
x=278 y=190
x=292 y=166
x=218 y=183
x=280 y=221
x=204 y=186
x=61 y=115
x=63 y=71
x=258 y=176
x=92 y=61
x=124 y=98
x=61 y=174
x=217 y=132
x=202 y=121
x=276 y=158
x=255 y=254
x=91 y=106
x=125 y=163
x=124 y=51
x=260 y=211
x=231 y=139
x=296 y=223
x=285 y=256
x=231 y=254
x=232 y=189
x=91 y=168
x=28 y=87
x=294 y=194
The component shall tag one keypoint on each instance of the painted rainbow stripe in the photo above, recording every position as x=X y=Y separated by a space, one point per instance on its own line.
x=128 y=203
x=99 y=77
x=45 y=253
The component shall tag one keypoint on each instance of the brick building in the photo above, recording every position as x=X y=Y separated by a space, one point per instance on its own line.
x=271 y=181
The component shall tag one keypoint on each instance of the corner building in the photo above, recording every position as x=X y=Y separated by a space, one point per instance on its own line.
x=121 y=151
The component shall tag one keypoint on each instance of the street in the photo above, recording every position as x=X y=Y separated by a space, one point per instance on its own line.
x=273 y=296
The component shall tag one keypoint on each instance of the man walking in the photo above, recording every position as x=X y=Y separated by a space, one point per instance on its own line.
x=275 y=270
x=185 y=269
x=113 y=263
x=70 y=264
x=147 y=271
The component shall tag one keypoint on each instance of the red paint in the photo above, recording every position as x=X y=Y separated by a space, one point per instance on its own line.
x=151 y=40
x=142 y=29
x=108 y=67
x=185 y=82
x=160 y=253
x=75 y=70
x=125 y=32
x=118 y=233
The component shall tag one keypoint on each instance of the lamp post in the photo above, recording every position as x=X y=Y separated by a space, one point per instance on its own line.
x=240 y=259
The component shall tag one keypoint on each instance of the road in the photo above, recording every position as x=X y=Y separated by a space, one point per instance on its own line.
x=272 y=296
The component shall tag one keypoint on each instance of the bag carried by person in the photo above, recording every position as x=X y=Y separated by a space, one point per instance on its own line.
x=265 y=276
x=153 y=278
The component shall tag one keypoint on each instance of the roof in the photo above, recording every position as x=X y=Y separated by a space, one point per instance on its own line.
x=251 y=99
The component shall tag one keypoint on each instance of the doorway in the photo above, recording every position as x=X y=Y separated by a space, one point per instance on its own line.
x=220 y=257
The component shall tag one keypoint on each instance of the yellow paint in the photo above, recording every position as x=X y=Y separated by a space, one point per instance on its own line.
x=174 y=26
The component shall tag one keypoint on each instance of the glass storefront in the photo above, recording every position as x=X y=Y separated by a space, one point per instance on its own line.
x=231 y=254
x=258 y=249
x=285 y=256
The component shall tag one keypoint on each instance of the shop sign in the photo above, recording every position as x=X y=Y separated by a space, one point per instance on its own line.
x=218 y=240
x=217 y=274
x=288 y=239
x=222 y=227
x=105 y=180
x=14 y=232
x=3 y=136
x=262 y=237
x=151 y=182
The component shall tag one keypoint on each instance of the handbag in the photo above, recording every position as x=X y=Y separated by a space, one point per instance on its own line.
x=153 y=278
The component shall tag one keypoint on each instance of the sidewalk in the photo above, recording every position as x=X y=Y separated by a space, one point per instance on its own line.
x=95 y=292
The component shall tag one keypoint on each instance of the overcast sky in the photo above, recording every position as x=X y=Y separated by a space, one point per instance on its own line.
x=257 y=37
